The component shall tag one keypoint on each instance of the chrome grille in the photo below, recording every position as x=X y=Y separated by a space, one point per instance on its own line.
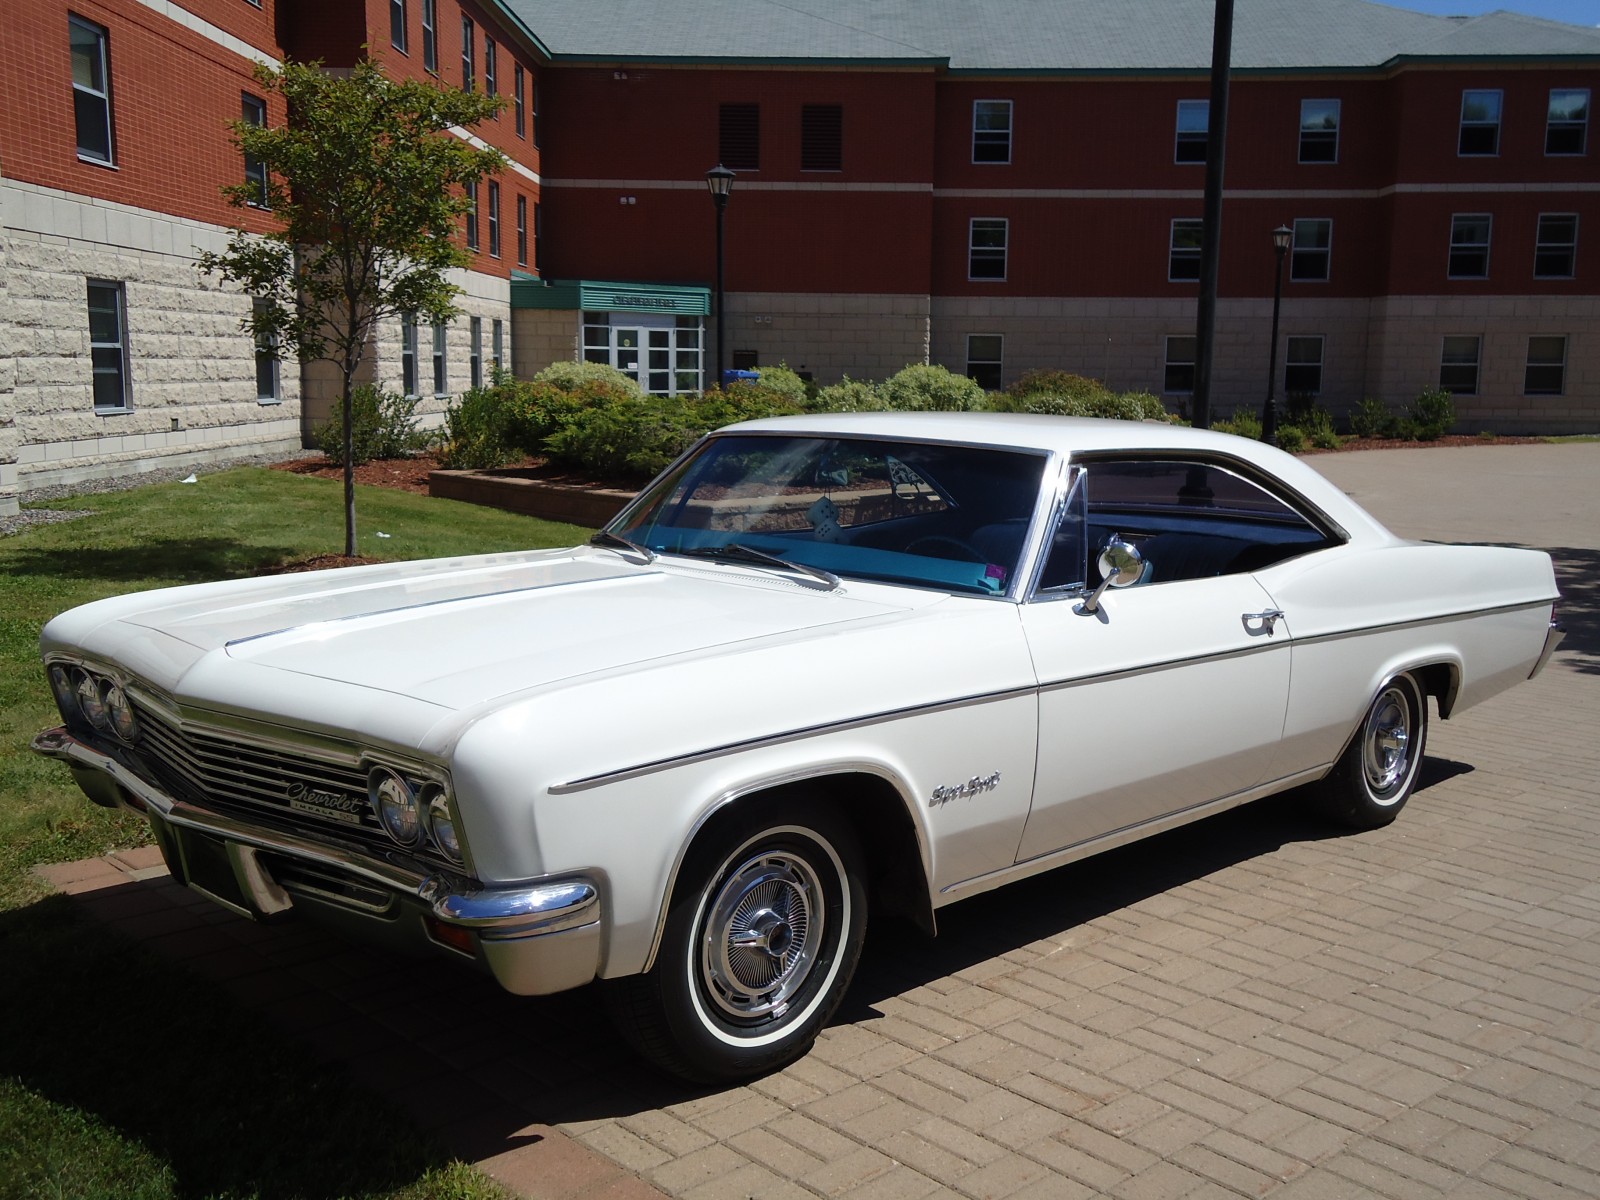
x=213 y=769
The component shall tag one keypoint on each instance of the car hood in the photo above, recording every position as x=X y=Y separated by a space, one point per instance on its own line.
x=462 y=634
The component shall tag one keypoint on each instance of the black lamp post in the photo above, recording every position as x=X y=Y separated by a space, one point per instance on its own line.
x=720 y=180
x=1281 y=237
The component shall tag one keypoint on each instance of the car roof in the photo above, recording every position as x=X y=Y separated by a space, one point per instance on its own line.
x=1079 y=436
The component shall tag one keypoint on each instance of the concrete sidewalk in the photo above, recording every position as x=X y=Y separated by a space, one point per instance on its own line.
x=1253 y=1006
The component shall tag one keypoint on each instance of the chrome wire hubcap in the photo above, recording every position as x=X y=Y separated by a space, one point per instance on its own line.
x=1386 y=743
x=761 y=936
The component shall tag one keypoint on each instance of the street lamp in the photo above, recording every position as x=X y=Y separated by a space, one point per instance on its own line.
x=1281 y=237
x=720 y=181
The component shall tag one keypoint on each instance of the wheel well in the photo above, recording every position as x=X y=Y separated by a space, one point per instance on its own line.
x=895 y=876
x=1441 y=681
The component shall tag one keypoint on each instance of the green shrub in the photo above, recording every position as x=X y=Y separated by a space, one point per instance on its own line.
x=1372 y=418
x=781 y=380
x=1303 y=412
x=928 y=387
x=1433 y=413
x=1291 y=438
x=1056 y=383
x=744 y=401
x=1244 y=423
x=577 y=376
x=382 y=425
x=537 y=407
x=850 y=395
x=477 y=431
x=1326 y=439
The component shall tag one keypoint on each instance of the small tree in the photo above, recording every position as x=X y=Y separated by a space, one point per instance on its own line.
x=367 y=182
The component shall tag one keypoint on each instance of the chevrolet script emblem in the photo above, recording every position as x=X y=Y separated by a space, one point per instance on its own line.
x=335 y=806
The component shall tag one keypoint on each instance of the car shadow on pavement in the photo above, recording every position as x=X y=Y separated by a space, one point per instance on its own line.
x=1578 y=576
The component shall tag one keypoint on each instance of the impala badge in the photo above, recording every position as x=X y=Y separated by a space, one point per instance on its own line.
x=336 y=806
x=975 y=786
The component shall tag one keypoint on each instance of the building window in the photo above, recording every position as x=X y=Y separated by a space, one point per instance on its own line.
x=1480 y=123
x=519 y=84
x=1469 y=245
x=430 y=36
x=1311 y=257
x=1547 y=366
x=538 y=238
x=469 y=37
x=108 y=345
x=491 y=70
x=497 y=335
x=991 y=131
x=91 y=89
x=494 y=220
x=253 y=111
x=1458 y=365
x=1183 y=251
x=472 y=215
x=536 y=113
x=440 y=378
x=268 y=382
x=1194 y=131
x=408 y=354
x=739 y=136
x=821 y=137
x=986 y=248
x=1567 y=129
x=475 y=351
x=985 y=357
x=522 y=231
x=397 y=25
x=1555 y=255
x=1319 y=131
x=1180 y=363
x=1302 y=366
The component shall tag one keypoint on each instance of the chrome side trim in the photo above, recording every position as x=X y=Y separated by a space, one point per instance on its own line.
x=1456 y=615
x=1552 y=639
x=510 y=911
x=779 y=739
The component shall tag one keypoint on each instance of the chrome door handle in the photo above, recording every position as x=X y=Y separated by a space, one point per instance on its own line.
x=1262 y=622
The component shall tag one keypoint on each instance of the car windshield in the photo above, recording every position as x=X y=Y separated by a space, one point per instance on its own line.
x=939 y=516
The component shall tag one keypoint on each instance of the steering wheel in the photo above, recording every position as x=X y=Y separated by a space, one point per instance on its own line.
x=968 y=551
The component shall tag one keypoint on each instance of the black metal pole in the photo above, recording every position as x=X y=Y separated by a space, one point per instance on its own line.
x=722 y=204
x=1269 y=414
x=1211 y=228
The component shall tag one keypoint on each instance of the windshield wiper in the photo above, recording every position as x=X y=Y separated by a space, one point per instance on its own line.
x=814 y=576
x=615 y=541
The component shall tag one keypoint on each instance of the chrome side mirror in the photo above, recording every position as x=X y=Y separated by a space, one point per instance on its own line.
x=1120 y=564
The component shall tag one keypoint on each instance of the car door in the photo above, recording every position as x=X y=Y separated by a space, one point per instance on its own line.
x=1171 y=692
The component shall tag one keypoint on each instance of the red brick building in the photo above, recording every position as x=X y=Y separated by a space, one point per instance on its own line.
x=994 y=186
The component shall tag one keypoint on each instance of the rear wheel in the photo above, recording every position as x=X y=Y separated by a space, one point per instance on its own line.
x=761 y=941
x=1375 y=776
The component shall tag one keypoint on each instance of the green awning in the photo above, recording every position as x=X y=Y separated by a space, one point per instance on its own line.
x=600 y=296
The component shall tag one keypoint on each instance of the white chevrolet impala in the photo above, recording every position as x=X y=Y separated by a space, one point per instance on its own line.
x=821 y=666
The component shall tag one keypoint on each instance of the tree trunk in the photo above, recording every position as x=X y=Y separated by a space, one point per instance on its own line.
x=349 y=471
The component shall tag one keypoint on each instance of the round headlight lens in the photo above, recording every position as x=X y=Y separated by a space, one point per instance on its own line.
x=398 y=810
x=441 y=825
x=87 y=690
x=61 y=685
x=120 y=709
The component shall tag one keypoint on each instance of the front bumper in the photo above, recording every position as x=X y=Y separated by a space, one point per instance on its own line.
x=535 y=937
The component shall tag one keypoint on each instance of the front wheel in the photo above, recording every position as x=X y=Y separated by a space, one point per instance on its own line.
x=761 y=941
x=1375 y=775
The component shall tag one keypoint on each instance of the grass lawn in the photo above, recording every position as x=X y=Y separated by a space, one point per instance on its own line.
x=121 y=1076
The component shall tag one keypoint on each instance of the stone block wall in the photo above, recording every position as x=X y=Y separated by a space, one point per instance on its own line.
x=541 y=336
x=829 y=335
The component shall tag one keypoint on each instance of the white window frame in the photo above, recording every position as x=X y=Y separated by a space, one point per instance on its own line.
x=1319 y=135
x=268 y=362
x=441 y=361
x=1453 y=366
x=519 y=92
x=522 y=230
x=491 y=69
x=999 y=364
x=1497 y=124
x=1541 y=246
x=397 y=25
x=1289 y=362
x=1177 y=254
x=1309 y=253
x=494 y=219
x=475 y=351
x=469 y=54
x=1530 y=365
x=987 y=253
x=497 y=344
x=253 y=111
x=409 y=384
x=1551 y=124
x=430 y=36
x=471 y=188
x=1457 y=245
x=119 y=347
x=88 y=94
x=1191 y=362
x=1182 y=137
x=986 y=136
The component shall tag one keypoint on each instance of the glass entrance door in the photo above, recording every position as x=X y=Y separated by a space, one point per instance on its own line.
x=661 y=353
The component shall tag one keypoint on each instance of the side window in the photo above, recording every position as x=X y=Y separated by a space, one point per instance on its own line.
x=1189 y=520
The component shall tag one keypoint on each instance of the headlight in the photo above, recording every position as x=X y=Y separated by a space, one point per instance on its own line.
x=398 y=810
x=87 y=690
x=66 y=697
x=120 y=710
x=441 y=825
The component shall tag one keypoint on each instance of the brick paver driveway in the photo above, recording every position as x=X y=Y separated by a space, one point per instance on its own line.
x=1256 y=1005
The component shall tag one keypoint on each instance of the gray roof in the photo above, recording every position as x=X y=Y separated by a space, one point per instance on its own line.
x=1035 y=35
